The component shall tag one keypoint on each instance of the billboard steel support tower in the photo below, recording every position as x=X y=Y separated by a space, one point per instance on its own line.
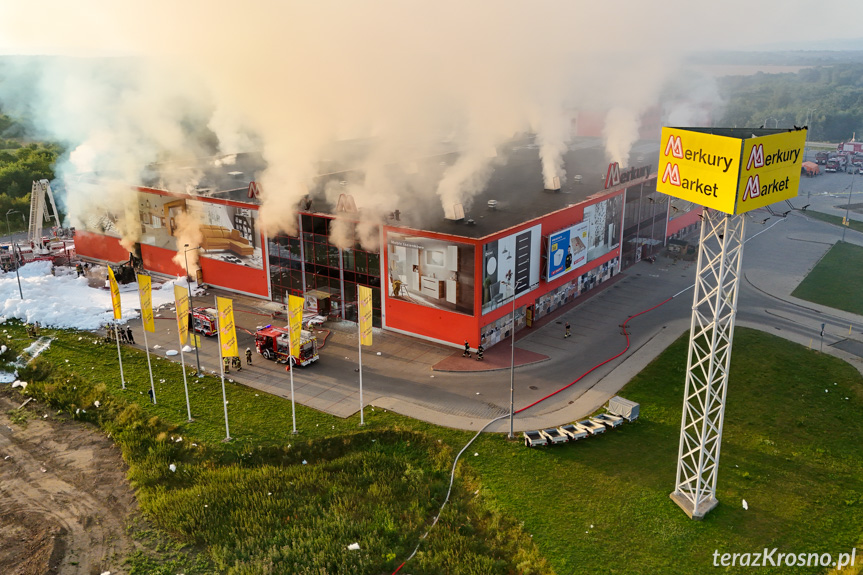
x=710 y=336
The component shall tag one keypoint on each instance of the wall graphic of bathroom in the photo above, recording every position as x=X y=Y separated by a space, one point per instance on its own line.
x=567 y=250
x=511 y=267
x=430 y=272
x=604 y=221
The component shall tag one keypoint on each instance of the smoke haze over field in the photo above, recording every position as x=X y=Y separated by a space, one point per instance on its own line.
x=193 y=78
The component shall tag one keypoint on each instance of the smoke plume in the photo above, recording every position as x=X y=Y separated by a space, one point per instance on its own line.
x=413 y=81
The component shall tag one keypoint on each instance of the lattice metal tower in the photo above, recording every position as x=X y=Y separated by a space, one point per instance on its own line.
x=710 y=337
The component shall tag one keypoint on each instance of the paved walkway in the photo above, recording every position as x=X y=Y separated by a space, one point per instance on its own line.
x=435 y=383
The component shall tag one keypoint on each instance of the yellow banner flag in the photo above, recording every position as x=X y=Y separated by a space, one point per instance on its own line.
x=226 y=327
x=365 y=296
x=145 y=287
x=295 y=323
x=181 y=300
x=115 y=294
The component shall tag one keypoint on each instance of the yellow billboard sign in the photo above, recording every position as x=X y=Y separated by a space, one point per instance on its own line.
x=713 y=168
x=145 y=292
x=770 y=171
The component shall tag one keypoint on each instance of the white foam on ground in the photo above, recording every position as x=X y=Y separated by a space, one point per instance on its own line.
x=67 y=301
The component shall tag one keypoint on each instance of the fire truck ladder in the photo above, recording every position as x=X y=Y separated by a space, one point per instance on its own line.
x=714 y=308
x=39 y=211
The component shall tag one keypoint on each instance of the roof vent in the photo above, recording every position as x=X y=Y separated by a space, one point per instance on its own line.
x=555 y=184
x=492 y=204
x=454 y=212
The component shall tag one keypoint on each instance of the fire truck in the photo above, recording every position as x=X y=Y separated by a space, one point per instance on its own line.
x=274 y=343
x=206 y=320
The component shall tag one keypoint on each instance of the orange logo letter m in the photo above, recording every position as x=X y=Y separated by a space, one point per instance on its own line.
x=675 y=146
x=753 y=188
x=671 y=174
x=756 y=157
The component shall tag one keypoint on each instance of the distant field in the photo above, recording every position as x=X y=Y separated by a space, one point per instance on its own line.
x=837 y=280
x=720 y=70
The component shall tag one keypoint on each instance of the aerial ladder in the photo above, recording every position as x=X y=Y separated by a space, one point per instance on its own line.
x=39 y=211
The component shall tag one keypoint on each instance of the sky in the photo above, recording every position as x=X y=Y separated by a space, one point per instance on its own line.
x=192 y=79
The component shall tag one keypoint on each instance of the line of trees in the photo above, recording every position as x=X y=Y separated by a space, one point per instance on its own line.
x=20 y=164
x=830 y=96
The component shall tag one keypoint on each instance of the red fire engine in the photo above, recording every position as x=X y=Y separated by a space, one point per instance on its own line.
x=274 y=343
x=206 y=320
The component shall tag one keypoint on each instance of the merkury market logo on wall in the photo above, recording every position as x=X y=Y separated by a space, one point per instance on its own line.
x=706 y=167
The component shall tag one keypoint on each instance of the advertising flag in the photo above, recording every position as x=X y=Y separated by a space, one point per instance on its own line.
x=115 y=294
x=226 y=327
x=145 y=287
x=181 y=300
x=365 y=295
x=295 y=322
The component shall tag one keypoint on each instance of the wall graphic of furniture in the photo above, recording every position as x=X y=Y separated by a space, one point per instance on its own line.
x=219 y=238
x=433 y=287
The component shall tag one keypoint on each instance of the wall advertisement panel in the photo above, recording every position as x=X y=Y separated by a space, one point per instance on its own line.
x=567 y=250
x=510 y=267
x=430 y=272
x=225 y=233
x=604 y=221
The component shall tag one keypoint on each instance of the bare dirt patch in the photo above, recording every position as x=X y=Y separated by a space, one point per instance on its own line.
x=64 y=497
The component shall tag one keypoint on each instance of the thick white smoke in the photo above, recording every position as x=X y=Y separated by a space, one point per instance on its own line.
x=183 y=80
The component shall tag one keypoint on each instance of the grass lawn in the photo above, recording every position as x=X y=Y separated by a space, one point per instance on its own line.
x=837 y=280
x=791 y=450
x=836 y=220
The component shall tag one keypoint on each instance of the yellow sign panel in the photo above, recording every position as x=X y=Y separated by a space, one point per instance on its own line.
x=715 y=171
x=295 y=322
x=365 y=296
x=115 y=294
x=227 y=334
x=181 y=299
x=770 y=170
x=146 y=294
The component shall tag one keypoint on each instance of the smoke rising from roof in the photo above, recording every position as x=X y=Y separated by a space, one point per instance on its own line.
x=192 y=79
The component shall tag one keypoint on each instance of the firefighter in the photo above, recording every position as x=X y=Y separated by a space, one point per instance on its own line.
x=129 y=337
x=248 y=356
x=567 y=330
x=226 y=362
x=235 y=361
x=479 y=351
x=466 y=349
x=80 y=269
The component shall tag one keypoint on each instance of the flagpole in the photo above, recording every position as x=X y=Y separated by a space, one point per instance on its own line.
x=185 y=384
x=149 y=365
x=119 y=356
x=222 y=368
x=360 y=347
x=291 y=369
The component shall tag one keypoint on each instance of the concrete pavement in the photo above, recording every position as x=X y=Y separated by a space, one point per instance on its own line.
x=434 y=383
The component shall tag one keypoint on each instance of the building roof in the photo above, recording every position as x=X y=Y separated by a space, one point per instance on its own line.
x=515 y=184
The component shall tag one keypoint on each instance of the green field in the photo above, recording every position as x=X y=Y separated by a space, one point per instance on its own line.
x=792 y=450
x=837 y=280
x=835 y=220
